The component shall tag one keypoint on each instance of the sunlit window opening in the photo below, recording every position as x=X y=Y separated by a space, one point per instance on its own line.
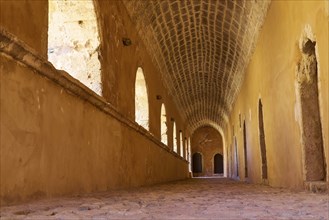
x=73 y=41
x=189 y=154
x=185 y=149
x=141 y=100
x=164 y=136
x=174 y=138
x=181 y=144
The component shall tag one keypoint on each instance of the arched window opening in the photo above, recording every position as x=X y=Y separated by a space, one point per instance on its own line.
x=181 y=144
x=73 y=41
x=197 y=163
x=312 y=140
x=218 y=164
x=141 y=100
x=245 y=149
x=262 y=140
x=174 y=138
x=185 y=149
x=189 y=154
x=164 y=136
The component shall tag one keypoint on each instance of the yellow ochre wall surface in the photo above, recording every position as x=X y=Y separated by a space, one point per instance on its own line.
x=271 y=77
x=56 y=142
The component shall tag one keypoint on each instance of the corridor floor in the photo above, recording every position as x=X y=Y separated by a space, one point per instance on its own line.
x=199 y=198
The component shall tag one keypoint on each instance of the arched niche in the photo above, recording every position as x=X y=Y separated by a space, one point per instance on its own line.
x=307 y=72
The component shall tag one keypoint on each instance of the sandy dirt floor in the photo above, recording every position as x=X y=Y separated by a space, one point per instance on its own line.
x=199 y=198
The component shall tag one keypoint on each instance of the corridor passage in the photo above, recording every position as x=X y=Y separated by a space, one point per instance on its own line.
x=199 y=198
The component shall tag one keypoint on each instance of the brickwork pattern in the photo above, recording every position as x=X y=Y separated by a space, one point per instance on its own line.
x=201 y=48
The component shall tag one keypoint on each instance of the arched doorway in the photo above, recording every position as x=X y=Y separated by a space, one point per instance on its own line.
x=197 y=163
x=218 y=164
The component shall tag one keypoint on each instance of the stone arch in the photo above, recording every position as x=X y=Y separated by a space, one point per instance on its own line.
x=164 y=128
x=310 y=119
x=74 y=40
x=207 y=122
x=208 y=141
x=141 y=100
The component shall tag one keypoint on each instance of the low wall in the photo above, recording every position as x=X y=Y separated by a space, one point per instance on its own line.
x=60 y=138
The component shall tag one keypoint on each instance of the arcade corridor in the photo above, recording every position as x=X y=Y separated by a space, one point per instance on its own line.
x=108 y=108
x=197 y=198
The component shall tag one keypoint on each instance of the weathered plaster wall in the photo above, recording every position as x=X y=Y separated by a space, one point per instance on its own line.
x=207 y=141
x=54 y=142
x=271 y=76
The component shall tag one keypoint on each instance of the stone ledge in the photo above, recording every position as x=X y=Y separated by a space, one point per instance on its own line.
x=12 y=47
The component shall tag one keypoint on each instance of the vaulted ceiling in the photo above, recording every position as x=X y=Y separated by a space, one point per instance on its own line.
x=202 y=48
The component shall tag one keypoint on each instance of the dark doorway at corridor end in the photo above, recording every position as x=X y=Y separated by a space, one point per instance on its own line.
x=218 y=164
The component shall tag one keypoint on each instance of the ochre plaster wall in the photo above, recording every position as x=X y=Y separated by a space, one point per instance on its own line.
x=54 y=142
x=119 y=66
x=271 y=76
x=208 y=142
x=28 y=20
